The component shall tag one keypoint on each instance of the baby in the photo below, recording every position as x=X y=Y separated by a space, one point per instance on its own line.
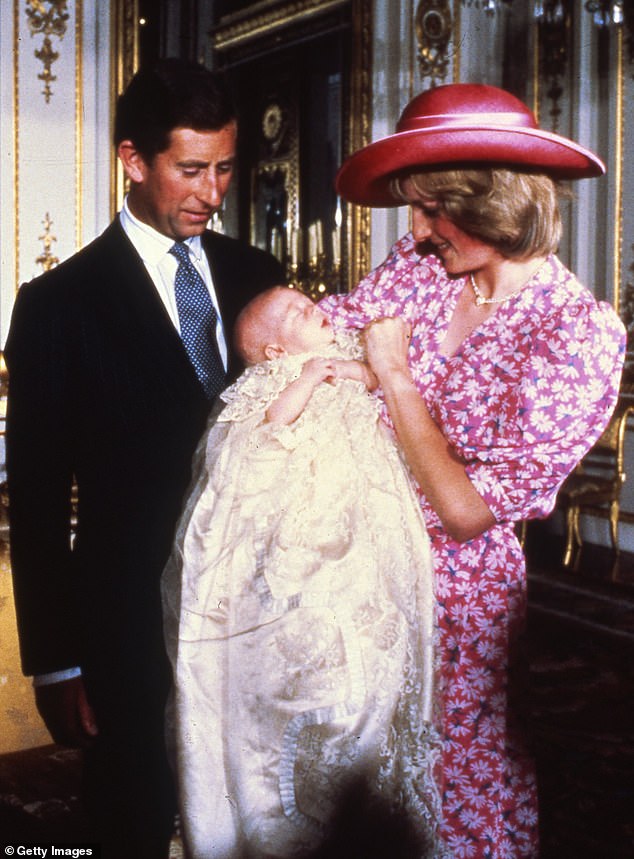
x=283 y=322
x=299 y=608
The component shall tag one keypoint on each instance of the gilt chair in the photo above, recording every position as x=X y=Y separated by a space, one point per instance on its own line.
x=594 y=487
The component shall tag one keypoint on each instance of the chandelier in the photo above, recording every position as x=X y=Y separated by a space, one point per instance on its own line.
x=606 y=13
x=488 y=6
x=549 y=11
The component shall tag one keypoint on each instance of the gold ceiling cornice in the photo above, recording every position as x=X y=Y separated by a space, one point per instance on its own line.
x=262 y=19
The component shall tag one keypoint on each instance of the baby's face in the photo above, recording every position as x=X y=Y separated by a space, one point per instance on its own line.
x=303 y=326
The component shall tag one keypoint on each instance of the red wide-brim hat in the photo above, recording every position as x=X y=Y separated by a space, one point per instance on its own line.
x=467 y=125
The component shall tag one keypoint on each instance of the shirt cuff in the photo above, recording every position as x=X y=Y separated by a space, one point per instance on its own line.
x=56 y=677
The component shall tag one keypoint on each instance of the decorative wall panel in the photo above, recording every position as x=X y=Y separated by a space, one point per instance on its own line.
x=54 y=129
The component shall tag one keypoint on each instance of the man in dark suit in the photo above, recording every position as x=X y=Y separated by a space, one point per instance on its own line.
x=105 y=391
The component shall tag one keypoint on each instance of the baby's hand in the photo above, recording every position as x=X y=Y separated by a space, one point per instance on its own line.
x=355 y=370
x=317 y=370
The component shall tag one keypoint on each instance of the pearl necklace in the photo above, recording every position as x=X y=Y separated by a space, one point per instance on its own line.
x=482 y=299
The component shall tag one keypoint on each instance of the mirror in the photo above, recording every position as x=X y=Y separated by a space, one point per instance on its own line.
x=296 y=72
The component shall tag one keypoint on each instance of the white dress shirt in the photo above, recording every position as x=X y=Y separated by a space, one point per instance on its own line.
x=153 y=248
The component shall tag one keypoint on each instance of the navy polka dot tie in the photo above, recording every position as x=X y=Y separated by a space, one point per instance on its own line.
x=197 y=316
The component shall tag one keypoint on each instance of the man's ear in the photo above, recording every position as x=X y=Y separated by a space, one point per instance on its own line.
x=274 y=350
x=132 y=161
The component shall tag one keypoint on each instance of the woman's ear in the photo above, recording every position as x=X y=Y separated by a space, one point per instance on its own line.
x=132 y=161
x=274 y=350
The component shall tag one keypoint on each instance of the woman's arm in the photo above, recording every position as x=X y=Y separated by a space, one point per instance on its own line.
x=292 y=400
x=439 y=472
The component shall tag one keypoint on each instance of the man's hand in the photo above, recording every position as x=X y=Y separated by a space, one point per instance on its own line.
x=66 y=712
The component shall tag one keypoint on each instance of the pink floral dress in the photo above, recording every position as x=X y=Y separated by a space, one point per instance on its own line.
x=521 y=401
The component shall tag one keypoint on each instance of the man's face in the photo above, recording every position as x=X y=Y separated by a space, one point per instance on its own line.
x=182 y=188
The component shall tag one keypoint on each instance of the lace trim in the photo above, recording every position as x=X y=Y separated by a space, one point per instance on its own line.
x=262 y=383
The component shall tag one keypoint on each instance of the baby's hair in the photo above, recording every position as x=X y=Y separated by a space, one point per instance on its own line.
x=255 y=327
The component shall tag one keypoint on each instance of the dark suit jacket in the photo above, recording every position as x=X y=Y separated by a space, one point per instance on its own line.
x=101 y=388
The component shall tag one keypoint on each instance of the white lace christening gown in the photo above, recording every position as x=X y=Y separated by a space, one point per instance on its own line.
x=300 y=625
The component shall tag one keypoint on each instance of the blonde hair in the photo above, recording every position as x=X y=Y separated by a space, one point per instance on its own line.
x=515 y=212
x=257 y=325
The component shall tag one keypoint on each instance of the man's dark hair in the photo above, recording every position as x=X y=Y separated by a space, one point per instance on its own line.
x=171 y=94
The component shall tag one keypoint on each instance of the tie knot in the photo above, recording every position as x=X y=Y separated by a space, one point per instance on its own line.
x=181 y=252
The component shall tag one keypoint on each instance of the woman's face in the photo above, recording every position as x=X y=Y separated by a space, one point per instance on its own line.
x=459 y=251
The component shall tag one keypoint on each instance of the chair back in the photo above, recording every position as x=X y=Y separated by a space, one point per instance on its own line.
x=607 y=458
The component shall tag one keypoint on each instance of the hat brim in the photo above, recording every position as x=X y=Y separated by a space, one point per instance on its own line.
x=366 y=176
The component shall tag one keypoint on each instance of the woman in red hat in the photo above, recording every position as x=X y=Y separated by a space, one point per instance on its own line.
x=498 y=370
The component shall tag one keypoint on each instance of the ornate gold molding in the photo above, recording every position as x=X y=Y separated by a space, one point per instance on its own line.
x=433 y=25
x=359 y=221
x=125 y=61
x=47 y=259
x=49 y=17
x=618 y=171
x=260 y=20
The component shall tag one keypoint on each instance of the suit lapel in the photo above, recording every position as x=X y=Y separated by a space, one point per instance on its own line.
x=140 y=311
x=221 y=271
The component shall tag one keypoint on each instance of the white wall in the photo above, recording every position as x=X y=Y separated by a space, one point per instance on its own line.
x=393 y=85
x=55 y=154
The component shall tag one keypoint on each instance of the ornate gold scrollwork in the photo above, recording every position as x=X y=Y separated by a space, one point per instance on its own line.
x=245 y=26
x=46 y=259
x=358 y=223
x=126 y=61
x=49 y=17
x=433 y=23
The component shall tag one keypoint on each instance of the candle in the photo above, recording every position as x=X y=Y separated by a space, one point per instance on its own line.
x=336 y=247
x=336 y=236
x=312 y=241
x=319 y=233
x=276 y=243
x=292 y=244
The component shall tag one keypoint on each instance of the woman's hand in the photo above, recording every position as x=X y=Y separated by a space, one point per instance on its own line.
x=387 y=343
x=438 y=470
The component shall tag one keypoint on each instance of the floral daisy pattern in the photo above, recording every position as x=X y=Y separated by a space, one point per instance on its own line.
x=521 y=401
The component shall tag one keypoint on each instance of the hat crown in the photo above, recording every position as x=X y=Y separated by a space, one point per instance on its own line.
x=465 y=105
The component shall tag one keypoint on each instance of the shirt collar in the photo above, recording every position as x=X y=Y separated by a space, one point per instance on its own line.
x=151 y=245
